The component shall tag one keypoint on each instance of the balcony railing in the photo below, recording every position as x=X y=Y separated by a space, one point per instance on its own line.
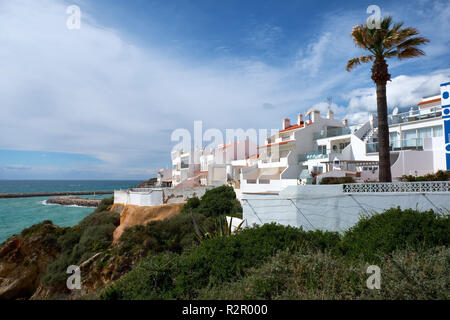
x=318 y=154
x=415 y=115
x=398 y=145
x=332 y=133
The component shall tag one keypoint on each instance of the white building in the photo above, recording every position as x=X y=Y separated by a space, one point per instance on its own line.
x=164 y=178
x=278 y=164
x=221 y=165
x=326 y=147
x=185 y=164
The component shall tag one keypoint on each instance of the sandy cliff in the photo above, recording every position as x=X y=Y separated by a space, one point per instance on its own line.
x=131 y=215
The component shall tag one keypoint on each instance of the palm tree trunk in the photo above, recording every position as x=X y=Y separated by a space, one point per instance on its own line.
x=383 y=135
x=381 y=76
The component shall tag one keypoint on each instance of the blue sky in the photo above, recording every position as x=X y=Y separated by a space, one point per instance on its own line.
x=101 y=102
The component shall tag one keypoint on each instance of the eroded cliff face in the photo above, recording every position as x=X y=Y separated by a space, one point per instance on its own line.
x=24 y=259
x=132 y=215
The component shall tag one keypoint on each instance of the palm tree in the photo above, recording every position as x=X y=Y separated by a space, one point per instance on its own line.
x=388 y=41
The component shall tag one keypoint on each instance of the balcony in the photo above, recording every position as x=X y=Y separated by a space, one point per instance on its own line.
x=312 y=155
x=334 y=132
x=415 y=115
x=398 y=145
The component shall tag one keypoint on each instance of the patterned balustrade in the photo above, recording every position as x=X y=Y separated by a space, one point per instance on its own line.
x=409 y=187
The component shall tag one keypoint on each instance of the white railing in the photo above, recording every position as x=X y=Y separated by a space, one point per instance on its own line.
x=409 y=187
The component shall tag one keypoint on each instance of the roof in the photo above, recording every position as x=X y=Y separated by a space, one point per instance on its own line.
x=297 y=126
x=274 y=144
x=429 y=101
x=187 y=184
x=228 y=145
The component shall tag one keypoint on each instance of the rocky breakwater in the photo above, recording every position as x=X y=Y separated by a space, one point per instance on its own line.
x=74 y=201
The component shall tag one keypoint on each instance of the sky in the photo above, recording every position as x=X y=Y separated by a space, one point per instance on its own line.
x=102 y=101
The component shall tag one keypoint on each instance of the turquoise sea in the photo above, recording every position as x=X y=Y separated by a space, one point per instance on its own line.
x=19 y=213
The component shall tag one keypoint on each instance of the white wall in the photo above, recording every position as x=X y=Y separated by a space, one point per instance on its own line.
x=157 y=196
x=327 y=207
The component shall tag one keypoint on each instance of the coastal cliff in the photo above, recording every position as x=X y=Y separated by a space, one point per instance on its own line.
x=132 y=215
x=24 y=258
x=33 y=264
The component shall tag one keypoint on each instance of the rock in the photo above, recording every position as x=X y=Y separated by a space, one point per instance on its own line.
x=71 y=200
x=24 y=259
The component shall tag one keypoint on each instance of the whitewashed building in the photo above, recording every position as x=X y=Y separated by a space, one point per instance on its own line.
x=327 y=147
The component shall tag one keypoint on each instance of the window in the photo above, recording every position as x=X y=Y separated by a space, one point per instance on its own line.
x=409 y=134
x=437 y=131
x=322 y=149
x=424 y=133
x=184 y=163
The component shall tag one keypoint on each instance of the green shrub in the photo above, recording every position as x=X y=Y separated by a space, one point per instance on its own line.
x=174 y=234
x=395 y=229
x=105 y=204
x=217 y=260
x=407 y=274
x=151 y=279
x=92 y=235
x=192 y=203
x=215 y=202
x=438 y=176
x=336 y=180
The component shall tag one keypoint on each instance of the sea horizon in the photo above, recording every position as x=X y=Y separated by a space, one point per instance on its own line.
x=17 y=214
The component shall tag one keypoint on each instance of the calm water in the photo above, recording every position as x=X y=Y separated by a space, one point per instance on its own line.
x=19 y=213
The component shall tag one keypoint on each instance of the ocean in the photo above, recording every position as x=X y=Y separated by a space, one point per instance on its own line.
x=17 y=214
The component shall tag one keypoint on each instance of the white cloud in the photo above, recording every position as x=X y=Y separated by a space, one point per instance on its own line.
x=402 y=91
x=90 y=91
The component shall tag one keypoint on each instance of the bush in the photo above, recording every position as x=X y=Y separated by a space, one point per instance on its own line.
x=91 y=235
x=214 y=261
x=395 y=229
x=174 y=234
x=407 y=274
x=105 y=204
x=438 y=176
x=215 y=202
x=337 y=180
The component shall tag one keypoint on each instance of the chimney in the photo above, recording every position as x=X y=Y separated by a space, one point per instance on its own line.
x=286 y=123
x=330 y=114
x=315 y=115
x=345 y=122
x=300 y=119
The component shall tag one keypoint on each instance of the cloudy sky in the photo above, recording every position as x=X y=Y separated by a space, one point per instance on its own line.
x=102 y=101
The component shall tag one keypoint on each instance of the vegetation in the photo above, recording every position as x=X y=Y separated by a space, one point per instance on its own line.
x=278 y=262
x=165 y=260
x=92 y=235
x=438 y=176
x=407 y=274
x=337 y=180
x=392 y=230
x=388 y=40
x=215 y=202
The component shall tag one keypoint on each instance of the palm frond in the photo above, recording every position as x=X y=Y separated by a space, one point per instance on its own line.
x=352 y=63
x=391 y=40
x=410 y=52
